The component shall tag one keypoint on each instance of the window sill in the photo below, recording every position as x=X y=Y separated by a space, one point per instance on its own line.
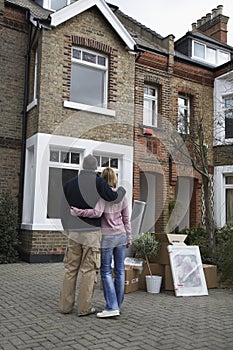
x=50 y=225
x=88 y=108
x=32 y=105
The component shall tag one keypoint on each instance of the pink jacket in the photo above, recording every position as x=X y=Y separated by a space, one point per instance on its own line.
x=115 y=219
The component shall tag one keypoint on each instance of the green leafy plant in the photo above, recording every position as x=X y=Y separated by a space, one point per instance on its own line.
x=9 y=241
x=146 y=246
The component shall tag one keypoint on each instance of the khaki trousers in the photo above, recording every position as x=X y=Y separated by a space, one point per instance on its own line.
x=85 y=259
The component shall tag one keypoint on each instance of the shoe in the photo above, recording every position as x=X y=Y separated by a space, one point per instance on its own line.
x=91 y=312
x=66 y=312
x=108 y=313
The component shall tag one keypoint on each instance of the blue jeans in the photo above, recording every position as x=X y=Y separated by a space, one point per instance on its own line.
x=113 y=287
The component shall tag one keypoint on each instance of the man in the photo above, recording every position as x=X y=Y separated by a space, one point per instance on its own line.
x=84 y=236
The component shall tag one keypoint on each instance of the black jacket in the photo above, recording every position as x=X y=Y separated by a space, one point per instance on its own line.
x=84 y=191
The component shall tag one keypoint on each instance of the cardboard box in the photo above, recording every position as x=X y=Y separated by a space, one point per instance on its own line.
x=166 y=239
x=168 y=279
x=131 y=280
x=210 y=272
x=156 y=269
x=133 y=263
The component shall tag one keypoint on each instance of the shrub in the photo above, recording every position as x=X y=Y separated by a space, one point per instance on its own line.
x=222 y=256
x=9 y=241
x=198 y=236
x=224 y=253
x=146 y=246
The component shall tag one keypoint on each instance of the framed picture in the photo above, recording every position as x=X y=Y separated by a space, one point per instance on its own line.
x=187 y=270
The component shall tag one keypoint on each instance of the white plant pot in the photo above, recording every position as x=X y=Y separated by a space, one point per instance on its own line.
x=153 y=284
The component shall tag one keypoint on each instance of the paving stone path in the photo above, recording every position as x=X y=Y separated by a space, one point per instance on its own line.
x=30 y=318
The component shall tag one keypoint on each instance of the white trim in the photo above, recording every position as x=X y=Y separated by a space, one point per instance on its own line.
x=80 y=6
x=87 y=108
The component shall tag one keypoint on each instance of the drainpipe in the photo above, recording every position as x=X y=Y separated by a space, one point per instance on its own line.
x=24 y=124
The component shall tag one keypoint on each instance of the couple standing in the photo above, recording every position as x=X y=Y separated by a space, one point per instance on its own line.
x=95 y=216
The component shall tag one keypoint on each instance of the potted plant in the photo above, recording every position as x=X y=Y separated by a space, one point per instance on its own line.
x=146 y=246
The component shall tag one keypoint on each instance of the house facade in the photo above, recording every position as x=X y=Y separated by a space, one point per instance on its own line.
x=83 y=77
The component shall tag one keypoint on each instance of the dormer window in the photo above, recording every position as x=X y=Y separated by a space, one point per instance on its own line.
x=57 y=4
x=208 y=54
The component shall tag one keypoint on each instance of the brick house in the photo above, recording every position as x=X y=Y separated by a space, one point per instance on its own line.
x=132 y=85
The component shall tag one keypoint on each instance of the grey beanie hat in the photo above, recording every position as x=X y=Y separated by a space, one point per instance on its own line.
x=90 y=163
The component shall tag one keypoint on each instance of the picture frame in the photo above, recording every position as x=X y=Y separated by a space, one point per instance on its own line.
x=187 y=270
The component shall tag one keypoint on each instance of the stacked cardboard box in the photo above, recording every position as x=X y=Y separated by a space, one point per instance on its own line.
x=131 y=280
x=135 y=274
x=210 y=272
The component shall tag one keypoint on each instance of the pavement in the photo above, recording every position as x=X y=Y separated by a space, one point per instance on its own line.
x=30 y=318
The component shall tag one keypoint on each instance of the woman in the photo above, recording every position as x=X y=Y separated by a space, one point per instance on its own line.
x=116 y=237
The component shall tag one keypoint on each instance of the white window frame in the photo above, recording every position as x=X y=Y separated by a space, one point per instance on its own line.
x=181 y=127
x=99 y=109
x=220 y=173
x=150 y=117
x=223 y=88
x=206 y=47
x=33 y=103
x=47 y=4
x=37 y=173
x=225 y=112
x=110 y=156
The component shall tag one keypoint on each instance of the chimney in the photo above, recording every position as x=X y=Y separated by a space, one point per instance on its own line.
x=213 y=24
x=194 y=27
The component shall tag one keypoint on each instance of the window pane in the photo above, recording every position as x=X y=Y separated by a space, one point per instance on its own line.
x=199 y=50
x=229 y=206
x=114 y=163
x=54 y=156
x=101 y=60
x=98 y=160
x=229 y=180
x=74 y=158
x=229 y=117
x=77 y=54
x=57 y=177
x=65 y=157
x=150 y=106
x=211 y=55
x=151 y=92
x=58 y=4
x=223 y=57
x=183 y=115
x=147 y=112
x=87 y=85
x=89 y=57
x=105 y=161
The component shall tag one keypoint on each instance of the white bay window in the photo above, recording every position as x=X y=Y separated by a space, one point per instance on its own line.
x=223 y=195
x=51 y=160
